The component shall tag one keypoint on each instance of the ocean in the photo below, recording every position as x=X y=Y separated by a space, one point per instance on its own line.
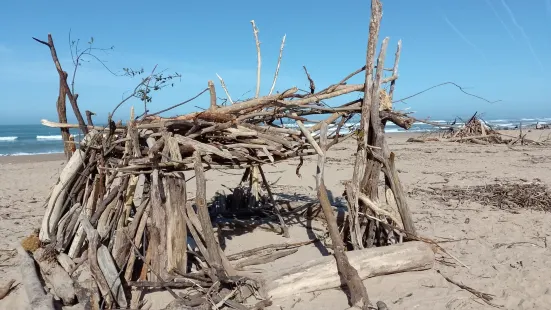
x=17 y=140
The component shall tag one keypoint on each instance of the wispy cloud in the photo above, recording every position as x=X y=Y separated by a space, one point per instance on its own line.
x=501 y=20
x=523 y=33
x=463 y=37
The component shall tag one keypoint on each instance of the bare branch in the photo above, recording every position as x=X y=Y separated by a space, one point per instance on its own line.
x=255 y=32
x=278 y=64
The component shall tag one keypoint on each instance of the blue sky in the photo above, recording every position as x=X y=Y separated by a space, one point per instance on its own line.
x=498 y=49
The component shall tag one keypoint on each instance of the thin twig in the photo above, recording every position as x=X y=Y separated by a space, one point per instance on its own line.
x=484 y=296
x=255 y=32
x=225 y=89
x=278 y=64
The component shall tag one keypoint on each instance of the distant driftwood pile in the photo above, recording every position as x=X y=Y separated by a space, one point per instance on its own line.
x=475 y=131
x=119 y=221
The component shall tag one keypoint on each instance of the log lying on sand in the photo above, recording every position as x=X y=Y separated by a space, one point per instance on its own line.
x=321 y=274
x=38 y=300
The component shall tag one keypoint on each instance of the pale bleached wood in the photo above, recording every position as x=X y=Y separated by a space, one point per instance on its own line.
x=321 y=157
x=158 y=216
x=278 y=64
x=176 y=223
x=225 y=88
x=361 y=154
x=205 y=148
x=38 y=299
x=104 y=222
x=348 y=274
x=321 y=274
x=88 y=210
x=67 y=227
x=109 y=270
x=137 y=240
x=66 y=262
x=93 y=244
x=308 y=136
x=54 y=209
x=259 y=59
x=56 y=276
x=138 y=193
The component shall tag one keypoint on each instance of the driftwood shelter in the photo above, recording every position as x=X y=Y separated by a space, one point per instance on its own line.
x=120 y=209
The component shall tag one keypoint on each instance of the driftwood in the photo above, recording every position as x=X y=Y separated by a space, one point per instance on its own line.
x=57 y=198
x=31 y=283
x=121 y=207
x=55 y=275
x=321 y=274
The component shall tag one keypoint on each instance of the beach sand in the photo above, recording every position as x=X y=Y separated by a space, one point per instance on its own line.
x=484 y=238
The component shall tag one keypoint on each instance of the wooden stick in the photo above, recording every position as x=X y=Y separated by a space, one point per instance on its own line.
x=176 y=223
x=361 y=154
x=277 y=210
x=31 y=283
x=395 y=69
x=225 y=88
x=349 y=275
x=308 y=136
x=484 y=296
x=109 y=270
x=63 y=79
x=264 y=259
x=255 y=32
x=93 y=241
x=321 y=157
x=57 y=198
x=61 y=105
x=159 y=224
x=212 y=91
x=202 y=211
x=54 y=274
x=278 y=64
x=370 y=182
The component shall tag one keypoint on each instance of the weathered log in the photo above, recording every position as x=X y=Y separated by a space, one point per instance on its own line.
x=109 y=270
x=158 y=216
x=88 y=209
x=93 y=244
x=31 y=283
x=176 y=223
x=55 y=275
x=321 y=274
x=57 y=198
x=66 y=262
x=361 y=155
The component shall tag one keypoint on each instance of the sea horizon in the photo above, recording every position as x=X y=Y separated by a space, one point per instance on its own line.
x=21 y=140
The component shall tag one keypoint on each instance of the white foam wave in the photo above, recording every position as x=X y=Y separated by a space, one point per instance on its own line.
x=53 y=137
x=7 y=139
x=27 y=154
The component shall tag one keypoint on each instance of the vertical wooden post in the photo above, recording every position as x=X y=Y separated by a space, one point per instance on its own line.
x=212 y=92
x=321 y=157
x=361 y=154
x=62 y=114
x=204 y=217
x=349 y=275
